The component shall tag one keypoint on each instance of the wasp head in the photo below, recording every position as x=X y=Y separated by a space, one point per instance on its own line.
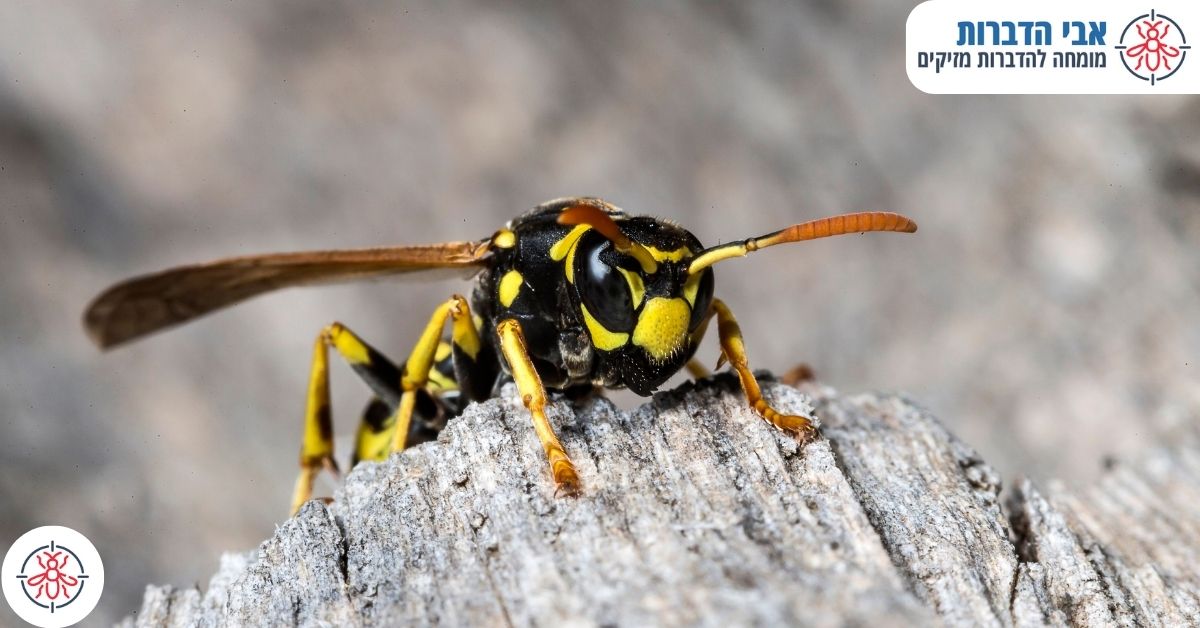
x=635 y=295
x=644 y=286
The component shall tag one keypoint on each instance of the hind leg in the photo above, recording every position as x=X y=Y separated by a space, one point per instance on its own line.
x=373 y=440
x=433 y=369
x=316 y=448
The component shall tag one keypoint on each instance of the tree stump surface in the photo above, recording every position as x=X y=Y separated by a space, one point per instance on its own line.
x=695 y=511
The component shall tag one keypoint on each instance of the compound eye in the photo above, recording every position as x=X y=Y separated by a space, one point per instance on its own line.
x=602 y=287
x=703 y=285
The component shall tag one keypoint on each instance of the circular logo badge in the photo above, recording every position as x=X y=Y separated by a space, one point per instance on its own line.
x=1153 y=47
x=52 y=577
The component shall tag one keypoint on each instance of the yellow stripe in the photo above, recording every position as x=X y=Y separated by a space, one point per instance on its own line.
x=565 y=249
x=403 y=420
x=510 y=287
x=564 y=245
x=691 y=287
x=602 y=338
x=636 y=288
x=669 y=256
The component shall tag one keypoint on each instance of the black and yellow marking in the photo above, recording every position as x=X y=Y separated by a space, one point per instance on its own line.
x=374 y=435
x=602 y=338
x=442 y=380
x=564 y=250
x=377 y=429
x=637 y=287
x=420 y=362
x=316 y=448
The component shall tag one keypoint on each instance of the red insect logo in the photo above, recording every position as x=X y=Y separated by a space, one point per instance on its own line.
x=1158 y=49
x=1153 y=52
x=52 y=582
x=52 y=576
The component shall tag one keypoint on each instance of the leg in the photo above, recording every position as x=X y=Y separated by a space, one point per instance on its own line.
x=416 y=372
x=375 y=435
x=696 y=369
x=512 y=344
x=387 y=420
x=316 y=449
x=733 y=350
x=373 y=441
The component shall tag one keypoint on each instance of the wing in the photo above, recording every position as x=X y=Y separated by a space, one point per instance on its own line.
x=142 y=305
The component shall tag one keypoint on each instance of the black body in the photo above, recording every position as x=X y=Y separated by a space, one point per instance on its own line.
x=548 y=304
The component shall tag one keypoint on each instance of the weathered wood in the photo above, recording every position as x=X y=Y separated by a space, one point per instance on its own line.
x=694 y=511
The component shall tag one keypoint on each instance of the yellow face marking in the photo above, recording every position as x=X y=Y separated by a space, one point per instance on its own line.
x=669 y=256
x=510 y=287
x=504 y=239
x=662 y=327
x=443 y=351
x=565 y=249
x=636 y=288
x=690 y=288
x=560 y=249
x=602 y=338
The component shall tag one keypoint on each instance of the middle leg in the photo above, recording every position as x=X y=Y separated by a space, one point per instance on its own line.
x=468 y=351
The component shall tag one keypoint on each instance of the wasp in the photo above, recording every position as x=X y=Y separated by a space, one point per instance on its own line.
x=573 y=295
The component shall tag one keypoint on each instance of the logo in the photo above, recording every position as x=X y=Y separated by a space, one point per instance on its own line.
x=52 y=577
x=1038 y=47
x=1153 y=47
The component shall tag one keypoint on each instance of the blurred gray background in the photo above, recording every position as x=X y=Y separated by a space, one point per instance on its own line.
x=1047 y=309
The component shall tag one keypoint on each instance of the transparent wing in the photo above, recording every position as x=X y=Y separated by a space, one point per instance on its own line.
x=143 y=305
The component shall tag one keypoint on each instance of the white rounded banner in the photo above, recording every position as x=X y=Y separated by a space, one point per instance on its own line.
x=1023 y=47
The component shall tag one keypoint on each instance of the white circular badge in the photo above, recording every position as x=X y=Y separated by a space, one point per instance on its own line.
x=52 y=577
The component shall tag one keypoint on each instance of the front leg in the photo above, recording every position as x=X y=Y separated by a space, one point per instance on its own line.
x=533 y=394
x=734 y=350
